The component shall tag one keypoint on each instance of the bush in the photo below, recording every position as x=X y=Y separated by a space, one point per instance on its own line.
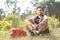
x=53 y=23
x=5 y=25
x=14 y=18
x=12 y=21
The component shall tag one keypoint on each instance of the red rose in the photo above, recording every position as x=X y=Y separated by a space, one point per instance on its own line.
x=12 y=32
x=17 y=32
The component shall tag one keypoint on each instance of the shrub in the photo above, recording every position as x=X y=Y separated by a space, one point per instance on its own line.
x=53 y=23
x=5 y=25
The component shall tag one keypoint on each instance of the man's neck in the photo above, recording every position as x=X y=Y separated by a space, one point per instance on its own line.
x=39 y=16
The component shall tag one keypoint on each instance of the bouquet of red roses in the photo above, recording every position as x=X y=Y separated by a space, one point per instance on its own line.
x=18 y=32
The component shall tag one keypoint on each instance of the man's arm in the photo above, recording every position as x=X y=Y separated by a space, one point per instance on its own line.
x=42 y=24
x=32 y=26
x=29 y=21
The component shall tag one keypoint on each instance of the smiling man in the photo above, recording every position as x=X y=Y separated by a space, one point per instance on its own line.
x=39 y=23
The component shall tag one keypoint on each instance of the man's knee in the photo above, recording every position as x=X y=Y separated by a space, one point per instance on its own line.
x=27 y=23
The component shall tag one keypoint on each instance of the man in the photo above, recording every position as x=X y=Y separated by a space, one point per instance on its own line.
x=38 y=24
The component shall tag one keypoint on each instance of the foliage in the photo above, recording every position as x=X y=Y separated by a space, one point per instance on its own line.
x=12 y=21
x=5 y=25
x=14 y=18
x=53 y=23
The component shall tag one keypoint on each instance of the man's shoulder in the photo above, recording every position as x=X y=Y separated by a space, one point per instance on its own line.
x=45 y=17
x=33 y=17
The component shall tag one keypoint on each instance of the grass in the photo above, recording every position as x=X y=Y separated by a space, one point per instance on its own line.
x=4 y=35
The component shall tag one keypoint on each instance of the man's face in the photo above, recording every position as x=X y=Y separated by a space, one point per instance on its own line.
x=39 y=11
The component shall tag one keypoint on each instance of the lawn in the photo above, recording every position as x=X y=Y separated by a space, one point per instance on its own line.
x=4 y=35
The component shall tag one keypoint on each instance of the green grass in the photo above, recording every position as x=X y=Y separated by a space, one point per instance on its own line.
x=4 y=35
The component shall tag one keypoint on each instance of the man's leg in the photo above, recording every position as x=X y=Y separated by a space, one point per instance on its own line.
x=32 y=29
x=43 y=31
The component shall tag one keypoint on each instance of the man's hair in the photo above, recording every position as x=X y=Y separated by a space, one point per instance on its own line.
x=39 y=7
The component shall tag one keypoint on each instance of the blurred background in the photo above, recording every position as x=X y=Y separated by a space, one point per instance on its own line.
x=14 y=12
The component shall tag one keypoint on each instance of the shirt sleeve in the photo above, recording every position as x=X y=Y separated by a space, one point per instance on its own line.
x=45 y=17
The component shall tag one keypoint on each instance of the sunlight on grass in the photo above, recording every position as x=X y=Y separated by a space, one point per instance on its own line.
x=6 y=36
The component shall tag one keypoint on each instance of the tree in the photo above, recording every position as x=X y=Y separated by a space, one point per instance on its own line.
x=14 y=9
x=2 y=14
x=52 y=7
